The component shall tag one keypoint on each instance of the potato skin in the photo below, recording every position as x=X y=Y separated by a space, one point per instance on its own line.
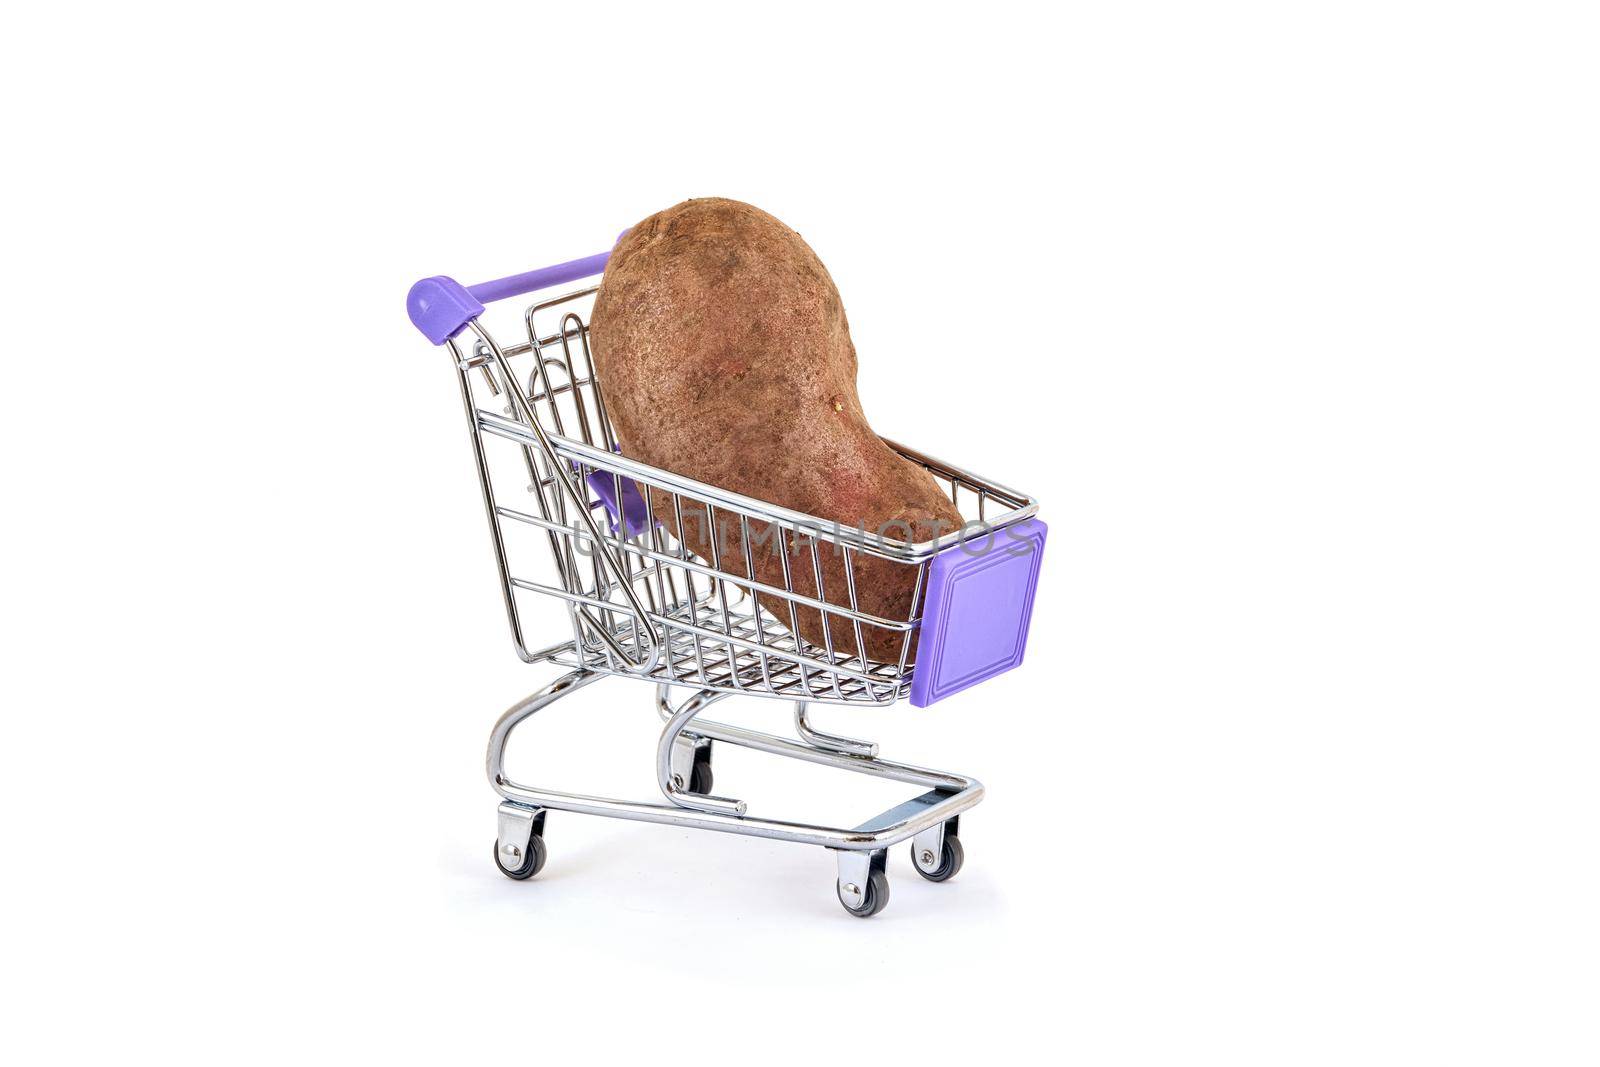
x=724 y=355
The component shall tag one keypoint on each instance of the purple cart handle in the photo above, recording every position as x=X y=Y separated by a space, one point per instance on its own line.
x=441 y=307
x=543 y=278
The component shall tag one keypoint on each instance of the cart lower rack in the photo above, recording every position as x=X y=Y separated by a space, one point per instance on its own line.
x=574 y=522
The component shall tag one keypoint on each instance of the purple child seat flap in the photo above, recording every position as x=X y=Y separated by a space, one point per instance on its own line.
x=633 y=515
x=975 y=618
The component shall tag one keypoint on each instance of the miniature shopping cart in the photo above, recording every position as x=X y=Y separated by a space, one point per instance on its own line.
x=572 y=519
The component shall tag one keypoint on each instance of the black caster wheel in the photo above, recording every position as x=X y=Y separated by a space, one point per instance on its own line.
x=529 y=864
x=949 y=863
x=875 y=896
x=700 y=779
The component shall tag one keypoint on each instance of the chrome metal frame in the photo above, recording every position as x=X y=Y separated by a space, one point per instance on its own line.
x=927 y=817
x=947 y=796
x=641 y=604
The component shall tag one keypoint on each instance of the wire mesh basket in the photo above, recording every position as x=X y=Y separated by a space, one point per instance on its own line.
x=610 y=537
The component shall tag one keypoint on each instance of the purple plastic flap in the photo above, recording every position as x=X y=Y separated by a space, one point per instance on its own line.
x=975 y=619
x=633 y=511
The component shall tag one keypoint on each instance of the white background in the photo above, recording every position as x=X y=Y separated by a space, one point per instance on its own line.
x=1286 y=312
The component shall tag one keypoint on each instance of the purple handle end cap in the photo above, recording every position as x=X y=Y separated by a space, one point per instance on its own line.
x=975 y=618
x=441 y=307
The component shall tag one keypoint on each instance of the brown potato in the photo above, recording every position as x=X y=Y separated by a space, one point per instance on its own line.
x=724 y=355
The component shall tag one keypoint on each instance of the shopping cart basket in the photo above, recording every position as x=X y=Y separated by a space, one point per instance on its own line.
x=572 y=519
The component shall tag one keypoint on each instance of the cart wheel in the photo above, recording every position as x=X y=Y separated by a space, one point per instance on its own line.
x=949 y=863
x=874 y=898
x=700 y=778
x=530 y=864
